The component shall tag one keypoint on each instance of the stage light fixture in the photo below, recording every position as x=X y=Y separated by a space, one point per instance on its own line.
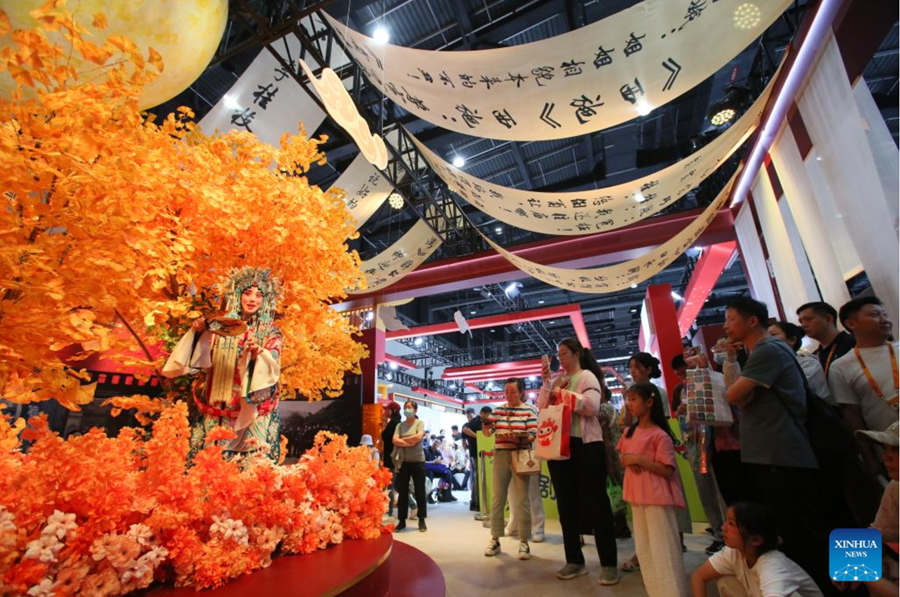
x=418 y=342
x=393 y=366
x=727 y=109
x=458 y=161
x=395 y=201
x=747 y=16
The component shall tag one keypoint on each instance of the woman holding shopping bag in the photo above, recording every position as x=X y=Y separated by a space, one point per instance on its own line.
x=580 y=481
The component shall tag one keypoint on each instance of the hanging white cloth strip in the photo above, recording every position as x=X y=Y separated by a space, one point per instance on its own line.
x=832 y=117
x=365 y=189
x=266 y=100
x=587 y=80
x=399 y=259
x=613 y=278
x=608 y=208
x=801 y=197
x=754 y=260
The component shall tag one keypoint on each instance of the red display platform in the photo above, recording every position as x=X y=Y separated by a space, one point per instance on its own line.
x=376 y=568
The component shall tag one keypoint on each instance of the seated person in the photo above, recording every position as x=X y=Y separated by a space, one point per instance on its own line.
x=435 y=467
x=750 y=564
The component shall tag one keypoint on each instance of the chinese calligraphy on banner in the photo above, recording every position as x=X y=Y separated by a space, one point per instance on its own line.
x=590 y=79
x=613 y=278
x=265 y=100
x=608 y=208
x=365 y=189
x=399 y=259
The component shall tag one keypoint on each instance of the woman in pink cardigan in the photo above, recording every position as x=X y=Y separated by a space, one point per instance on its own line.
x=580 y=481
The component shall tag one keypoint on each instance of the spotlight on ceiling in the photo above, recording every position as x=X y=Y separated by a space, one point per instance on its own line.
x=634 y=285
x=727 y=109
x=532 y=378
x=417 y=342
x=498 y=230
x=389 y=377
x=473 y=312
x=747 y=16
x=458 y=161
x=395 y=201
x=381 y=35
x=512 y=290
x=393 y=366
x=541 y=302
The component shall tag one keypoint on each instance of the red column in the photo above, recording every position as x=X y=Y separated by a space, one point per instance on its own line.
x=664 y=324
x=374 y=339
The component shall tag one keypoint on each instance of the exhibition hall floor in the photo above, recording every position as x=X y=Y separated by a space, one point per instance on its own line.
x=456 y=542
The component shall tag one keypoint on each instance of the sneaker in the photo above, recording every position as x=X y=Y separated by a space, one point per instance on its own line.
x=493 y=547
x=524 y=551
x=422 y=527
x=400 y=526
x=714 y=547
x=482 y=517
x=609 y=575
x=537 y=538
x=570 y=571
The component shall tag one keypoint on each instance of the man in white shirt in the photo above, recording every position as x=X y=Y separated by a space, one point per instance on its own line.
x=864 y=382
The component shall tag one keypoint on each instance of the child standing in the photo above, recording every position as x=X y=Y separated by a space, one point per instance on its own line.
x=653 y=489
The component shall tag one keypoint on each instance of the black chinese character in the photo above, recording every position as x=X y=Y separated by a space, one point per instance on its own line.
x=445 y=79
x=572 y=67
x=579 y=203
x=283 y=73
x=263 y=95
x=542 y=72
x=488 y=81
x=585 y=108
x=518 y=79
x=470 y=117
x=243 y=119
x=629 y=93
x=467 y=81
x=603 y=57
x=425 y=75
x=504 y=118
x=534 y=202
x=694 y=11
x=418 y=103
x=634 y=45
x=556 y=204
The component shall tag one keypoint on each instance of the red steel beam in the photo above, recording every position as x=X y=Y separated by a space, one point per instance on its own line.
x=452 y=372
x=703 y=280
x=571 y=311
x=436 y=395
x=489 y=267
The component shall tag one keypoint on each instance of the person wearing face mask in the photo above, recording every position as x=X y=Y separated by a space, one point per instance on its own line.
x=580 y=481
x=411 y=457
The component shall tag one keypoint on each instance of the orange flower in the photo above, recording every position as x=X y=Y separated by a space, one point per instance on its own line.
x=69 y=579
x=124 y=552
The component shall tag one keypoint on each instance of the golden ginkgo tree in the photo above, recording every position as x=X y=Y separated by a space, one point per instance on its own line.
x=109 y=217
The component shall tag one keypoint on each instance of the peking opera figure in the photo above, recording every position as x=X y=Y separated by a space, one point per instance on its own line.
x=236 y=357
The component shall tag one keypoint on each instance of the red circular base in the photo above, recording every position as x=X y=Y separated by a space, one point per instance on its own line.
x=324 y=573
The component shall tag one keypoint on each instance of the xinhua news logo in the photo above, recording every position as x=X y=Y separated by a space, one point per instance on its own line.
x=854 y=555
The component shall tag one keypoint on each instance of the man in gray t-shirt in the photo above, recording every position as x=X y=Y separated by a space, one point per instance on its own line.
x=769 y=433
x=778 y=461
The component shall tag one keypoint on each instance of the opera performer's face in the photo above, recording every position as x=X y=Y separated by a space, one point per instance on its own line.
x=251 y=301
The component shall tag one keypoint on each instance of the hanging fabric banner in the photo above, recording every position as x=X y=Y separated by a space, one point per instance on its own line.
x=613 y=278
x=266 y=100
x=365 y=189
x=608 y=208
x=400 y=258
x=584 y=81
x=344 y=112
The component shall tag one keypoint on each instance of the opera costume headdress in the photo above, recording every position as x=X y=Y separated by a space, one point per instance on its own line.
x=240 y=279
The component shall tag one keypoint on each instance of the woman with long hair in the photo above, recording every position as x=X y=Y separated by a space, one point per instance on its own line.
x=580 y=481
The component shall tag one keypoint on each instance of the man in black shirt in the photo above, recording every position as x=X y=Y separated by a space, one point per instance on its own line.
x=470 y=433
x=819 y=321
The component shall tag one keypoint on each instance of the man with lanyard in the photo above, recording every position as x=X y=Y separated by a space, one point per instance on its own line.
x=819 y=322
x=865 y=380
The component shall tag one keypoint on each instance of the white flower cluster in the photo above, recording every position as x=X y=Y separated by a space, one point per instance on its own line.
x=45 y=548
x=227 y=528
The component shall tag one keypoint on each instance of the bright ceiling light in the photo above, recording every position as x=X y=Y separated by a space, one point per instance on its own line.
x=747 y=16
x=643 y=108
x=532 y=378
x=395 y=201
x=551 y=322
x=473 y=312
x=677 y=296
x=393 y=366
x=498 y=229
x=722 y=116
x=231 y=102
x=389 y=377
x=634 y=285
x=458 y=161
x=512 y=289
x=541 y=302
x=381 y=35
x=417 y=342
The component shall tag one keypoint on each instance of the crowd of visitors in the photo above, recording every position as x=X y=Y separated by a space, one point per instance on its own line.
x=813 y=447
